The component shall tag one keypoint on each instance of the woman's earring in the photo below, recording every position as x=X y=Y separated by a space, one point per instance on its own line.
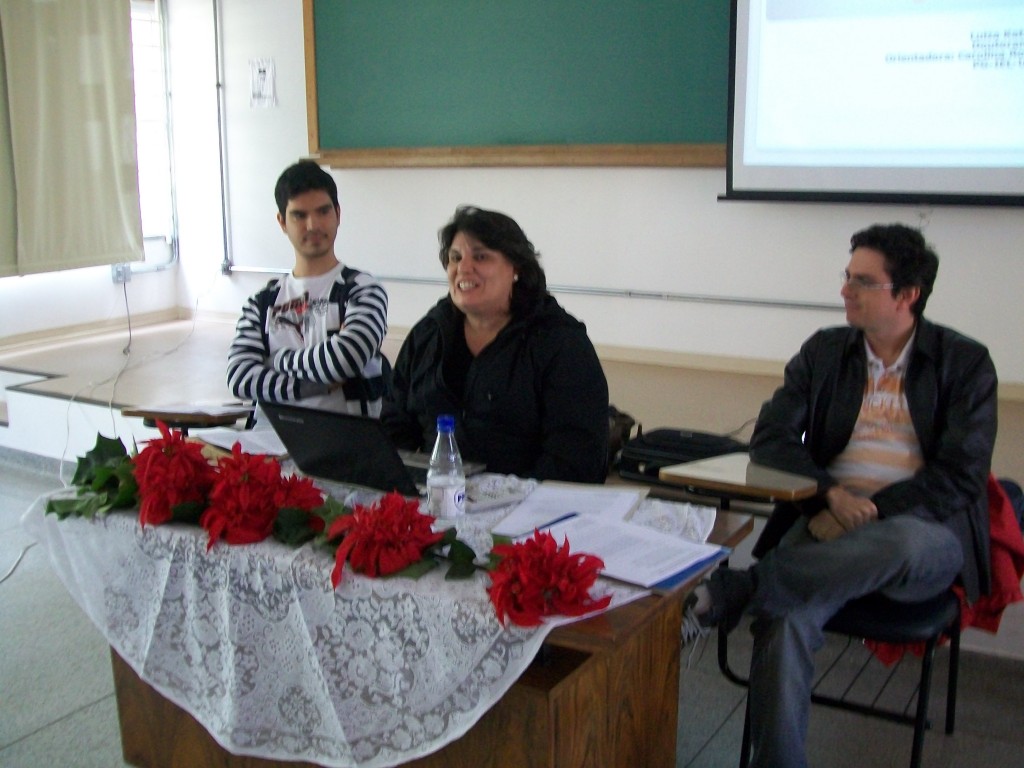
x=515 y=278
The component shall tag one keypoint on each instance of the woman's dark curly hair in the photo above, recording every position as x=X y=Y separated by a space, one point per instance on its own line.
x=500 y=233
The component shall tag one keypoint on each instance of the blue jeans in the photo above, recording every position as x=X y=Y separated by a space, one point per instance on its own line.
x=801 y=584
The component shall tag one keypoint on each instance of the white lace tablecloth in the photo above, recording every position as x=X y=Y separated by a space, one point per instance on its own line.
x=256 y=645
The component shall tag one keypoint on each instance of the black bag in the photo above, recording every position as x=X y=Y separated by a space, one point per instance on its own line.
x=644 y=455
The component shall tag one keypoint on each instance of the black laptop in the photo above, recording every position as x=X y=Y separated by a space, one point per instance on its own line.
x=348 y=449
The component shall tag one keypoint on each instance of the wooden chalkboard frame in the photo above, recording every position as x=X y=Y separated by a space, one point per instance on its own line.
x=703 y=155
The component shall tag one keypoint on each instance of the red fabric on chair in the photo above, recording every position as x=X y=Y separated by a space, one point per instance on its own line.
x=1007 y=552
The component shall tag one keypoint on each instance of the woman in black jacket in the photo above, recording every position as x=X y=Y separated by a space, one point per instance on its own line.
x=518 y=371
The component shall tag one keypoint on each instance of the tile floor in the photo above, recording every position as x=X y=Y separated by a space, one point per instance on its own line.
x=57 y=704
x=989 y=729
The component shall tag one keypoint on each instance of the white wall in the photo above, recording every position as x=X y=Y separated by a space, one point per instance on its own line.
x=621 y=229
x=79 y=297
x=664 y=229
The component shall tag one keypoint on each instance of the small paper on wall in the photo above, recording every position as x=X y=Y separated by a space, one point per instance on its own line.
x=262 y=91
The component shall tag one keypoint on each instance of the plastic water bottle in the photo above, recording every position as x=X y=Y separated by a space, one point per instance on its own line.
x=446 y=480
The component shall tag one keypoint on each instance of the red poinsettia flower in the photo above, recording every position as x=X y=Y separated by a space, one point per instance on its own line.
x=171 y=472
x=383 y=538
x=297 y=492
x=248 y=493
x=537 y=578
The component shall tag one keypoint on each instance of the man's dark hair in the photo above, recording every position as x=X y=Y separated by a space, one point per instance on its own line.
x=500 y=233
x=909 y=260
x=303 y=176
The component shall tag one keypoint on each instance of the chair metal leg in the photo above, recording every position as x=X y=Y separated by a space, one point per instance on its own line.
x=954 y=675
x=919 y=720
x=745 y=746
x=923 y=693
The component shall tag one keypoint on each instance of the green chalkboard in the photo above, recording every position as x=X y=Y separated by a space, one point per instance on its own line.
x=428 y=74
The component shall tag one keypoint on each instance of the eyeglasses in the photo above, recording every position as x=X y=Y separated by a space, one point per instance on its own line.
x=858 y=283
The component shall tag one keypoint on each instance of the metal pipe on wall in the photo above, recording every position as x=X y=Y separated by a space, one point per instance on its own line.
x=618 y=293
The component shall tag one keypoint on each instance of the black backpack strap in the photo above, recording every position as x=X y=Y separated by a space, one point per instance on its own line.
x=264 y=301
x=363 y=389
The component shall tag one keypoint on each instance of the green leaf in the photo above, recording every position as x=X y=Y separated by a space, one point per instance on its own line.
x=461 y=553
x=105 y=479
x=127 y=492
x=416 y=570
x=108 y=452
x=63 y=508
x=492 y=561
x=292 y=527
x=188 y=511
x=459 y=570
x=88 y=505
x=108 y=479
x=330 y=511
x=448 y=538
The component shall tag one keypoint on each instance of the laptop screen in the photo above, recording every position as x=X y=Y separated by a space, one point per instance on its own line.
x=340 y=447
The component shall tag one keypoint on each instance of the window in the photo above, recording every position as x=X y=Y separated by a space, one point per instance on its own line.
x=156 y=189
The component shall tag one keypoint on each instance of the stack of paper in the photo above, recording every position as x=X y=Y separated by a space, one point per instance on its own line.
x=594 y=519
x=551 y=503
x=635 y=554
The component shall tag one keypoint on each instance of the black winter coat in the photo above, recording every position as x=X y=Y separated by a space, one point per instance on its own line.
x=535 y=402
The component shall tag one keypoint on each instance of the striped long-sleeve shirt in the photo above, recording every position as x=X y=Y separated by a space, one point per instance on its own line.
x=315 y=341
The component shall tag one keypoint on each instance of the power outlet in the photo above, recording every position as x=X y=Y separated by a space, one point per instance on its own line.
x=121 y=273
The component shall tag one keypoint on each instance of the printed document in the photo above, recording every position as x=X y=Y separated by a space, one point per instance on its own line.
x=550 y=503
x=633 y=553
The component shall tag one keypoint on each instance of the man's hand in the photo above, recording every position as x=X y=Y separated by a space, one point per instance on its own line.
x=824 y=527
x=850 y=511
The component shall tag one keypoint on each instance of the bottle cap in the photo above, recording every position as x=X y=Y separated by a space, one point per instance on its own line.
x=445 y=423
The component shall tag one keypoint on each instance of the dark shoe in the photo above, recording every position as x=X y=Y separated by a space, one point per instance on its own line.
x=730 y=592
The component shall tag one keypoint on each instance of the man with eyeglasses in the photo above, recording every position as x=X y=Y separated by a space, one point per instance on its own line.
x=895 y=417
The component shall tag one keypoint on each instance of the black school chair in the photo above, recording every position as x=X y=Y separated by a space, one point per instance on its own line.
x=880 y=619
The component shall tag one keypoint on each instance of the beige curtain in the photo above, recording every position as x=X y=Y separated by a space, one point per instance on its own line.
x=8 y=240
x=72 y=120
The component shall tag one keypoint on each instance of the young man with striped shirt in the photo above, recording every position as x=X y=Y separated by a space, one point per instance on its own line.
x=313 y=335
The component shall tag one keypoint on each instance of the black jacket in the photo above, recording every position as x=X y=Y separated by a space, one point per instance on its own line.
x=535 y=402
x=951 y=391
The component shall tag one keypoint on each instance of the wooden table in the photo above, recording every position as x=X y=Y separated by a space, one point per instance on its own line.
x=602 y=693
x=189 y=417
x=734 y=475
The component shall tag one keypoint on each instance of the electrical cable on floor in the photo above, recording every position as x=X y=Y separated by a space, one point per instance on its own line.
x=128 y=347
x=127 y=352
x=155 y=355
x=129 y=362
x=71 y=400
x=24 y=549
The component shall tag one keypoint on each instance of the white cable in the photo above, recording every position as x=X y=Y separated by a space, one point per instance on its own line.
x=131 y=361
x=24 y=549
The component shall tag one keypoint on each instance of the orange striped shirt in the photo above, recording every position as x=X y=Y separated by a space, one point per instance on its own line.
x=883 y=448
